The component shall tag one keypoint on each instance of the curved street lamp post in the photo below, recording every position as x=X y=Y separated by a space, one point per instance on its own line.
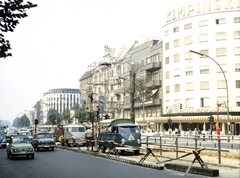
x=227 y=106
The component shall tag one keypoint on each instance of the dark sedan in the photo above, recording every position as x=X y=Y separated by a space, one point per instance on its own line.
x=43 y=141
x=3 y=140
x=11 y=133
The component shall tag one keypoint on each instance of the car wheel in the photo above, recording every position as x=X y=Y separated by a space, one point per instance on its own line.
x=32 y=156
x=102 y=149
x=52 y=148
x=122 y=151
x=136 y=152
x=11 y=155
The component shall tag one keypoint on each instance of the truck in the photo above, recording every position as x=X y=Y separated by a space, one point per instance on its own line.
x=123 y=134
x=73 y=134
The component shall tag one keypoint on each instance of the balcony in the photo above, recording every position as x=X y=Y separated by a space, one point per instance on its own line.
x=154 y=83
x=125 y=74
x=118 y=91
x=151 y=66
x=156 y=101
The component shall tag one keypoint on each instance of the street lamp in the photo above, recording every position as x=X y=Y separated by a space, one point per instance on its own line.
x=169 y=114
x=201 y=54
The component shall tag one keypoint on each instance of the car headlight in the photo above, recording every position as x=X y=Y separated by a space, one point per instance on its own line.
x=123 y=141
x=30 y=149
x=14 y=149
x=138 y=141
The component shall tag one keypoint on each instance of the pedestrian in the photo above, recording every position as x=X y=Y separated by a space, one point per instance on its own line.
x=88 y=136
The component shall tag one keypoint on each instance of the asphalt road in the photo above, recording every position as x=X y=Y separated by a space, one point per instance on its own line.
x=62 y=163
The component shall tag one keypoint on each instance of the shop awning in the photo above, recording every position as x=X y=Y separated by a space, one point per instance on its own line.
x=154 y=91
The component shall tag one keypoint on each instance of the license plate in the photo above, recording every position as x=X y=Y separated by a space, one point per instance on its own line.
x=22 y=152
x=46 y=146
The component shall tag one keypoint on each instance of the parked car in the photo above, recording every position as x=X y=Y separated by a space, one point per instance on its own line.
x=43 y=140
x=3 y=143
x=20 y=146
x=2 y=140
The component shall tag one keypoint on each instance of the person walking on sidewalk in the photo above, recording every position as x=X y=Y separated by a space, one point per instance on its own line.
x=88 y=136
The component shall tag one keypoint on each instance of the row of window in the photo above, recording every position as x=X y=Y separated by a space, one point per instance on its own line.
x=203 y=23
x=202 y=38
x=204 y=69
x=149 y=112
x=204 y=102
x=220 y=52
x=204 y=85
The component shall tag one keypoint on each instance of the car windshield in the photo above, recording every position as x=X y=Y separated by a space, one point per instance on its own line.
x=24 y=133
x=76 y=129
x=12 y=132
x=127 y=129
x=20 y=140
x=44 y=135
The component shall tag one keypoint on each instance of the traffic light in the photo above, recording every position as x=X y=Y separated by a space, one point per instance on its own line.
x=180 y=106
x=169 y=121
x=211 y=119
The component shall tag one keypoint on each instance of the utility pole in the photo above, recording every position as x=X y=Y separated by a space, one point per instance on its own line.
x=132 y=110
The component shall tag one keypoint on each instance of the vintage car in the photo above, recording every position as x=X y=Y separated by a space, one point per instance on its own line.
x=3 y=140
x=27 y=133
x=11 y=133
x=19 y=146
x=43 y=140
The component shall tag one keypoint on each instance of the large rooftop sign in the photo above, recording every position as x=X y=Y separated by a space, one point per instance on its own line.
x=202 y=7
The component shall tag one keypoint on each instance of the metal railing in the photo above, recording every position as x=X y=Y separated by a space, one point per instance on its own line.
x=223 y=144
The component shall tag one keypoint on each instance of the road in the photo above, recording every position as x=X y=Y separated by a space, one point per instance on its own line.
x=62 y=163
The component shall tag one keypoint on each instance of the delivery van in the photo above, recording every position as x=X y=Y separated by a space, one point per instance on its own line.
x=73 y=134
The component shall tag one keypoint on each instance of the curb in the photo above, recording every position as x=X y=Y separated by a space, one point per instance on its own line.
x=115 y=158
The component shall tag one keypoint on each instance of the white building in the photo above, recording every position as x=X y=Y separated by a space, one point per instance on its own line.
x=211 y=28
x=58 y=99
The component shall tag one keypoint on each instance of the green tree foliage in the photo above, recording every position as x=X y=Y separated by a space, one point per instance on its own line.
x=66 y=116
x=23 y=121
x=10 y=13
x=138 y=91
x=80 y=114
x=53 y=117
x=76 y=106
x=15 y=122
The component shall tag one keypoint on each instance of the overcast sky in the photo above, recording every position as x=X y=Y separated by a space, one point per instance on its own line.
x=54 y=45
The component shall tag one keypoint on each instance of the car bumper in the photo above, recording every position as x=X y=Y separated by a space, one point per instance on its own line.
x=46 y=146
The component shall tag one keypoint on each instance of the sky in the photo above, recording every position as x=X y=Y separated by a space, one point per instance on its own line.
x=53 y=46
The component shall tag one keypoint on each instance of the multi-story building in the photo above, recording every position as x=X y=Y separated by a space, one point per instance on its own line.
x=109 y=79
x=187 y=87
x=195 y=81
x=59 y=99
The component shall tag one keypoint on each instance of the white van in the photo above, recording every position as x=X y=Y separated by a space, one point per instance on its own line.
x=74 y=133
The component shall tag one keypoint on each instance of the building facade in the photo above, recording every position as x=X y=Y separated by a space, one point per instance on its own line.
x=187 y=87
x=195 y=81
x=59 y=99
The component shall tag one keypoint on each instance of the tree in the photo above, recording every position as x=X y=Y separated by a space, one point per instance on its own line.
x=53 y=117
x=10 y=13
x=138 y=90
x=16 y=122
x=23 y=121
x=66 y=116
x=80 y=114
